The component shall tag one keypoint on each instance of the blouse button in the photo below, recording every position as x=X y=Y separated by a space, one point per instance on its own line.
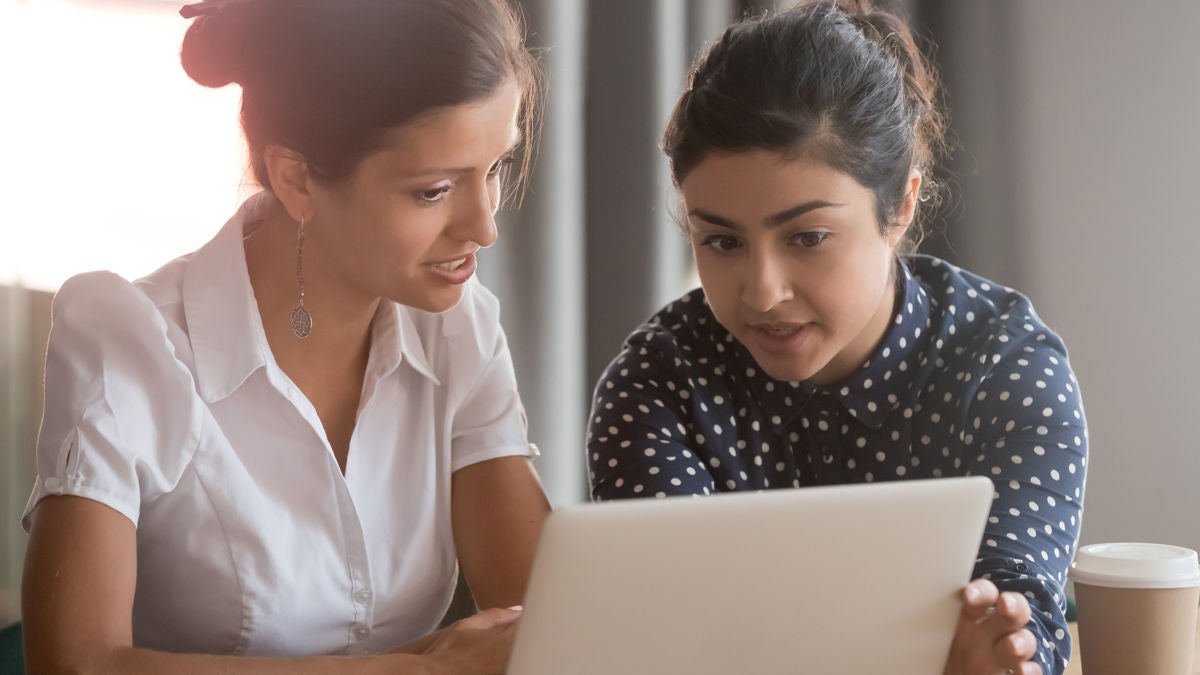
x=362 y=596
x=360 y=631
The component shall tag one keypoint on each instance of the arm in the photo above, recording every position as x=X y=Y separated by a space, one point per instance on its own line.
x=498 y=508
x=77 y=600
x=497 y=503
x=1031 y=440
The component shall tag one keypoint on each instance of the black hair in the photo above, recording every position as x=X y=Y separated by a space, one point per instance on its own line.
x=842 y=82
x=329 y=78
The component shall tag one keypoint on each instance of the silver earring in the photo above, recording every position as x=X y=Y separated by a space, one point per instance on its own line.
x=301 y=319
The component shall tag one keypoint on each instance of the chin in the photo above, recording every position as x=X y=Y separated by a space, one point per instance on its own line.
x=434 y=303
x=786 y=370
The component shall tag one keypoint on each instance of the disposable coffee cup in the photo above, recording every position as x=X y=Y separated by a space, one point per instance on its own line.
x=1136 y=606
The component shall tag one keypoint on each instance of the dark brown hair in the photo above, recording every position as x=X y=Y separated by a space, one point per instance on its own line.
x=843 y=82
x=329 y=78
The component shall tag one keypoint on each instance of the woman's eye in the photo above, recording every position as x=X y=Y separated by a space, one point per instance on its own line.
x=499 y=166
x=810 y=239
x=434 y=194
x=720 y=242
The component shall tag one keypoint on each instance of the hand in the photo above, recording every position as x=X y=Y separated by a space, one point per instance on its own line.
x=991 y=637
x=478 y=645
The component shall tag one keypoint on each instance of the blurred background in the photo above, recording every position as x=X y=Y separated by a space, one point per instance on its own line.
x=1074 y=181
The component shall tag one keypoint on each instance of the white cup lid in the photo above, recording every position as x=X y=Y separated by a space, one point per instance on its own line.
x=1132 y=565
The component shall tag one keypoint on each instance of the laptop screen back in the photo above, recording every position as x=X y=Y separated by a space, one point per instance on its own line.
x=845 y=579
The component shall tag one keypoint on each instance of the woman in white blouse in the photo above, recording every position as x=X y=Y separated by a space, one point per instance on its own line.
x=283 y=444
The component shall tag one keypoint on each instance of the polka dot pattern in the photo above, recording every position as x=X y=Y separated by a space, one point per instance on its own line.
x=967 y=381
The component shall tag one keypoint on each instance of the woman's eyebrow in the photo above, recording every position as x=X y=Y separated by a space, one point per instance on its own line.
x=796 y=211
x=512 y=147
x=771 y=221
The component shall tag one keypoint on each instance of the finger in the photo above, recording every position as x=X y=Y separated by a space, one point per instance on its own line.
x=978 y=598
x=511 y=627
x=490 y=618
x=1012 y=610
x=1028 y=668
x=1014 y=649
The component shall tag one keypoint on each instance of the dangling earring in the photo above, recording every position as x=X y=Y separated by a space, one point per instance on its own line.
x=301 y=319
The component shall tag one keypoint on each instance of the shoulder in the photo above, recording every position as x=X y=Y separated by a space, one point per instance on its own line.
x=680 y=348
x=684 y=329
x=977 y=319
x=104 y=305
x=959 y=292
x=112 y=356
x=1013 y=366
x=103 y=322
x=119 y=402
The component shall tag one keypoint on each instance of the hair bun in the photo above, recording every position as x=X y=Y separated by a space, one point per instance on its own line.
x=921 y=85
x=212 y=53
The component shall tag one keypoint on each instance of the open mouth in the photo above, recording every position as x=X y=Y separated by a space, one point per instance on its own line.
x=780 y=331
x=456 y=271
x=450 y=266
x=781 y=338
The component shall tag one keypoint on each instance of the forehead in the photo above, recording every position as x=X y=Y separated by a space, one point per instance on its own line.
x=460 y=136
x=762 y=181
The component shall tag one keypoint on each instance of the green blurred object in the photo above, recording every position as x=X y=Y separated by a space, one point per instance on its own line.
x=1070 y=608
x=12 y=654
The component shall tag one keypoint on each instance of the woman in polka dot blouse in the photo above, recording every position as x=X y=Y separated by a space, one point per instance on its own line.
x=818 y=351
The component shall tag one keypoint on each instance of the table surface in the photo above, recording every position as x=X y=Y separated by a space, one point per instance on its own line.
x=1073 y=667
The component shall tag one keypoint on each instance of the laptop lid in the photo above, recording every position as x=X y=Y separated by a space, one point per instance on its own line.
x=840 y=579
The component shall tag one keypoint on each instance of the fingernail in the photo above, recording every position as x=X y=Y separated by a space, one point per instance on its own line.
x=972 y=594
x=517 y=608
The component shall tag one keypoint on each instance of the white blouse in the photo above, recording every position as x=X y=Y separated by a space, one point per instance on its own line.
x=164 y=402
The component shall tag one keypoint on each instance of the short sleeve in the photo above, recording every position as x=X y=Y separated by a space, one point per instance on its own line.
x=490 y=422
x=122 y=417
x=1028 y=430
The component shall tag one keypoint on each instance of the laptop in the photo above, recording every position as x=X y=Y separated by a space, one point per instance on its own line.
x=842 y=579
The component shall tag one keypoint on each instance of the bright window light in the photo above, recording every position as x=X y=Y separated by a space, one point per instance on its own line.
x=110 y=157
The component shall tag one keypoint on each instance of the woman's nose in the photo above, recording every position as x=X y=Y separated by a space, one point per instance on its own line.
x=766 y=284
x=477 y=220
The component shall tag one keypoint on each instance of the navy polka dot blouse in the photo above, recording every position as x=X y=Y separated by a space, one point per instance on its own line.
x=967 y=381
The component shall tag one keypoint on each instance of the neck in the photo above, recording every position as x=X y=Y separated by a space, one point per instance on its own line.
x=341 y=317
x=868 y=340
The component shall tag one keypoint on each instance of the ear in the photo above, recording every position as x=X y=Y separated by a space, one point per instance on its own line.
x=290 y=181
x=907 y=210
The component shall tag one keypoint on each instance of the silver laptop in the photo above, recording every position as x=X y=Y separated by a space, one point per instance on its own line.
x=847 y=579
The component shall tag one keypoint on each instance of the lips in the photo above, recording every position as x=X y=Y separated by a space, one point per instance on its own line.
x=778 y=329
x=781 y=338
x=454 y=270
